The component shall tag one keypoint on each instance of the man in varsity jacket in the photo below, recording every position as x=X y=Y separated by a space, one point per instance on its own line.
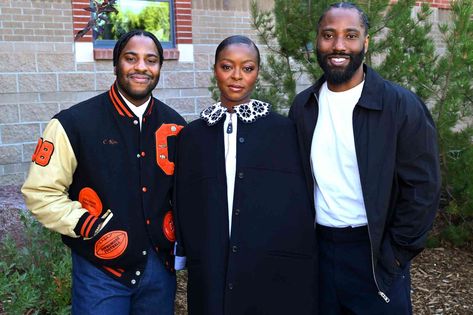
x=102 y=176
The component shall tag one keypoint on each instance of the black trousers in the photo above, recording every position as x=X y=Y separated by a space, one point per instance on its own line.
x=346 y=279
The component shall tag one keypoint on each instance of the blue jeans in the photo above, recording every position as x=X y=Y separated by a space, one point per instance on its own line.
x=94 y=292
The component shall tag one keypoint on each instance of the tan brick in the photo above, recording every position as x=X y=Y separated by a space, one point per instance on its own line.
x=12 y=179
x=17 y=168
x=202 y=79
x=41 y=82
x=8 y=83
x=9 y=114
x=64 y=47
x=182 y=105
x=19 y=133
x=11 y=11
x=12 y=24
x=10 y=154
x=55 y=62
x=28 y=150
x=203 y=62
x=33 y=11
x=85 y=67
x=77 y=82
x=38 y=112
x=195 y=92
x=17 y=62
x=162 y=94
x=174 y=65
x=104 y=80
x=104 y=65
x=203 y=102
x=6 y=47
x=17 y=98
x=178 y=79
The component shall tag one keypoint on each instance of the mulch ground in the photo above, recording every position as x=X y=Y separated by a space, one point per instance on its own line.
x=442 y=278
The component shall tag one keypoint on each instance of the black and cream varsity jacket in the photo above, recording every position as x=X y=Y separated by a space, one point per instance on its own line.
x=106 y=185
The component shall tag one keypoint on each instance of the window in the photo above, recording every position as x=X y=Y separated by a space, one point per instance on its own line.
x=150 y=15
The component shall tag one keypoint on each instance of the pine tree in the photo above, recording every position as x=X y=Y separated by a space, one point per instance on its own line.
x=402 y=50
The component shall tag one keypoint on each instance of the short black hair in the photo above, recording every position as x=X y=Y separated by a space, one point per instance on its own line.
x=236 y=39
x=347 y=5
x=123 y=40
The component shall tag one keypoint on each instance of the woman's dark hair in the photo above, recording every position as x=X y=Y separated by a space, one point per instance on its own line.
x=348 y=5
x=123 y=40
x=236 y=39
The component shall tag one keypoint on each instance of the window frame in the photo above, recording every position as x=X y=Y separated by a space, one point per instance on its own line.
x=110 y=43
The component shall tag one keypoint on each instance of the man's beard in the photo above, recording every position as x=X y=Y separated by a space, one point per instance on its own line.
x=340 y=75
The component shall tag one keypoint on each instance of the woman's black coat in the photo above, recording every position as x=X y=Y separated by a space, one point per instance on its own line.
x=267 y=266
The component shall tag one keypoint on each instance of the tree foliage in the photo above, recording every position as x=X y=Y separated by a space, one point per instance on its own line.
x=402 y=49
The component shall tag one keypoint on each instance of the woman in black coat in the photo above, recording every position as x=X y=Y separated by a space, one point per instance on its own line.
x=243 y=216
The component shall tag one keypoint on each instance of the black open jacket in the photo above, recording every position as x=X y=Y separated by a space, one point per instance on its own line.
x=396 y=149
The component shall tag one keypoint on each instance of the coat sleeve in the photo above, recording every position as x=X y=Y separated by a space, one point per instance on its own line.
x=46 y=187
x=418 y=176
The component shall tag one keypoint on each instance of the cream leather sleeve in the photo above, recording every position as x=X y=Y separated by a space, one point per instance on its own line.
x=46 y=187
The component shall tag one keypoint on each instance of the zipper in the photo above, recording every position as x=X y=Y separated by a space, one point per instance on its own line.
x=380 y=293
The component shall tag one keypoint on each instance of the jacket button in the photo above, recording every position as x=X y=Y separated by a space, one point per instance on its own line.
x=144 y=189
x=241 y=139
x=236 y=212
x=144 y=253
x=241 y=175
x=137 y=273
x=230 y=286
x=135 y=122
x=133 y=281
x=138 y=155
x=234 y=249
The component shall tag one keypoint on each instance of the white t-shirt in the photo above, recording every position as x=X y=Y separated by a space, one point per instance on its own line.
x=338 y=194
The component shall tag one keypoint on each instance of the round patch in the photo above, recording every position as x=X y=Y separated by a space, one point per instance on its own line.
x=90 y=201
x=111 y=245
x=168 y=226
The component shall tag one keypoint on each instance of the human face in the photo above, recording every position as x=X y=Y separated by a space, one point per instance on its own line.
x=138 y=69
x=236 y=71
x=341 y=45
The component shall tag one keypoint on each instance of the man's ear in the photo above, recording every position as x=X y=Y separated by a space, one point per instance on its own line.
x=367 y=42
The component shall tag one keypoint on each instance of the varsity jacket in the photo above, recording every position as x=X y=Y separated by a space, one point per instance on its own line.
x=267 y=266
x=105 y=185
x=398 y=162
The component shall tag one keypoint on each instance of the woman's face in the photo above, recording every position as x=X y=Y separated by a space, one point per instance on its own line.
x=236 y=71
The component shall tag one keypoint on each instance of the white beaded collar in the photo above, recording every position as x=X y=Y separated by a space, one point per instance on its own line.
x=247 y=112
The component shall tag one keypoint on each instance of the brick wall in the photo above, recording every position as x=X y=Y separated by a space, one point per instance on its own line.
x=39 y=74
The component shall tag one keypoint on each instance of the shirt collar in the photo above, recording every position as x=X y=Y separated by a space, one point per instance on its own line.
x=247 y=112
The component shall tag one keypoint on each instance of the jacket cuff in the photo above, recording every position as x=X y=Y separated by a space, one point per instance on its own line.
x=87 y=225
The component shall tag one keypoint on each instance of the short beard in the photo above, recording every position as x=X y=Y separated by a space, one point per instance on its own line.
x=340 y=76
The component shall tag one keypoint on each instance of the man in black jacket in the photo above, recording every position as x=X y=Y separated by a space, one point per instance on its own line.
x=102 y=176
x=371 y=166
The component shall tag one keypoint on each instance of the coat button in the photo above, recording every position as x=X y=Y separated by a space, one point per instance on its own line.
x=241 y=175
x=144 y=189
x=144 y=253
x=234 y=249
x=137 y=273
x=236 y=212
x=135 y=122
x=133 y=281
x=241 y=139
x=143 y=153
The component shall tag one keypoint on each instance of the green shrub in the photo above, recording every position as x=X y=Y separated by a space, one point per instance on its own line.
x=35 y=278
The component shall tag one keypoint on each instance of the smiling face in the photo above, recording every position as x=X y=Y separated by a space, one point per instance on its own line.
x=341 y=45
x=236 y=70
x=137 y=69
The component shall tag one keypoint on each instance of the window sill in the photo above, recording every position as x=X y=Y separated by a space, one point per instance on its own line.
x=107 y=53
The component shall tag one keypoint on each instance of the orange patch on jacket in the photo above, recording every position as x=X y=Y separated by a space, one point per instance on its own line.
x=111 y=245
